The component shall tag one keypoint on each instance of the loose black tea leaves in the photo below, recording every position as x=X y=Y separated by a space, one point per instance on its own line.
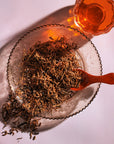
x=47 y=76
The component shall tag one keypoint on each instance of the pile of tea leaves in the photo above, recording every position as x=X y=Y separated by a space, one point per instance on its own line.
x=47 y=76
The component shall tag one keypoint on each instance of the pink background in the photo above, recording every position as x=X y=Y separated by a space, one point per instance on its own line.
x=95 y=125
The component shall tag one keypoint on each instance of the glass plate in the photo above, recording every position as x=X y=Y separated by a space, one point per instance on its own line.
x=86 y=53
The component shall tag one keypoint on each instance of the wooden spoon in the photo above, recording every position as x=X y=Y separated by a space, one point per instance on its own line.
x=87 y=79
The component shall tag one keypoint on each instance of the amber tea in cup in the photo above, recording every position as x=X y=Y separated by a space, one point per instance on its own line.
x=94 y=16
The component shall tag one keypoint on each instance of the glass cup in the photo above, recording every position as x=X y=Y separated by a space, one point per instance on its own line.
x=94 y=16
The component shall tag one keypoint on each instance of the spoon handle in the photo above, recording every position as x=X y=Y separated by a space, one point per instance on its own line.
x=108 y=78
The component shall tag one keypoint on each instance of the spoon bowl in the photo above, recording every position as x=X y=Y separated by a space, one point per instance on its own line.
x=87 y=79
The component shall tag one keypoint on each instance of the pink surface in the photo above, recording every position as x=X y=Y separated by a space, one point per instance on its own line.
x=95 y=125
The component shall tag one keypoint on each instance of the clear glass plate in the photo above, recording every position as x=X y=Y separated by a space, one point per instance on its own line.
x=86 y=53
